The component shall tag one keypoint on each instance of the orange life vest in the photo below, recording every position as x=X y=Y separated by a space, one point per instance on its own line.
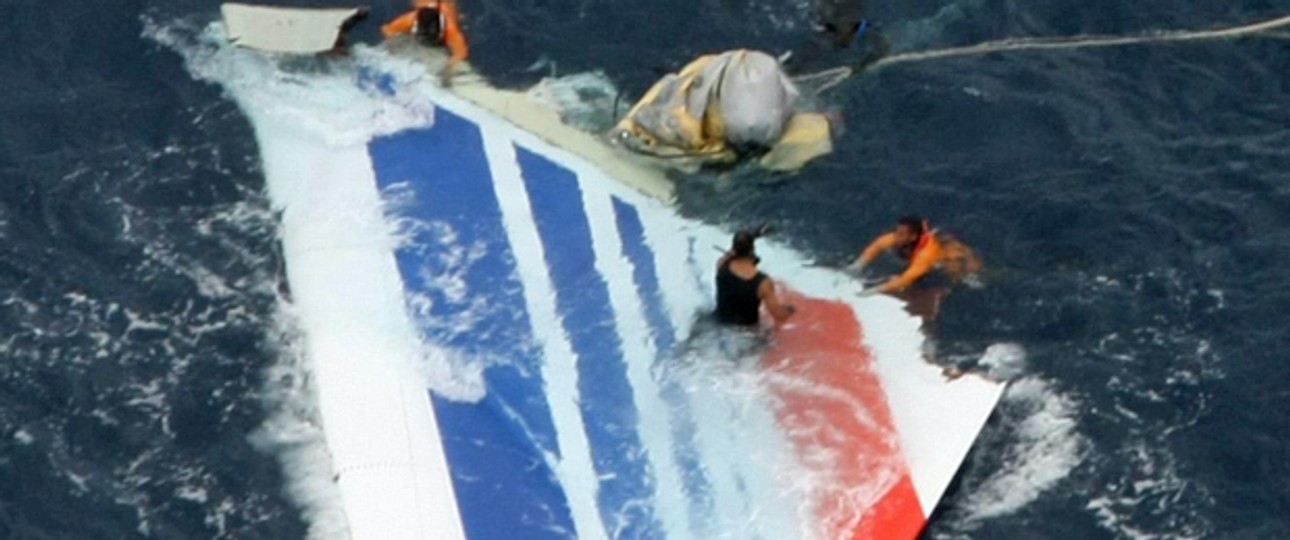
x=450 y=31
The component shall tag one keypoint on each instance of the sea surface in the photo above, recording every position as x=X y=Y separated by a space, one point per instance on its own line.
x=1130 y=204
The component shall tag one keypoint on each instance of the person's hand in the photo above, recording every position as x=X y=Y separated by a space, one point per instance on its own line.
x=871 y=291
x=952 y=372
x=445 y=78
x=855 y=268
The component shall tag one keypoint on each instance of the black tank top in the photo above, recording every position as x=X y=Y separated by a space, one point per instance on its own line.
x=737 y=299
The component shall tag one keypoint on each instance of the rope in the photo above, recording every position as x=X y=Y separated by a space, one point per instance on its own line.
x=1080 y=42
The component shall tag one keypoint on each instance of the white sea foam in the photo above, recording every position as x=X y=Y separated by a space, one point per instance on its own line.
x=294 y=434
x=453 y=374
x=759 y=489
x=586 y=100
x=1004 y=361
x=1151 y=500
x=319 y=97
x=1044 y=446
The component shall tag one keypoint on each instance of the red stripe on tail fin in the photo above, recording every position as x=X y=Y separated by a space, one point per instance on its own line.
x=831 y=403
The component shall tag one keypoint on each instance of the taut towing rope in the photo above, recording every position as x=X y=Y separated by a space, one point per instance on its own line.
x=1080 y=42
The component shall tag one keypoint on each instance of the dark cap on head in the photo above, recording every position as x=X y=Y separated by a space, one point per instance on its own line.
x=915 y=223
x=429 y=27
x=742 y=243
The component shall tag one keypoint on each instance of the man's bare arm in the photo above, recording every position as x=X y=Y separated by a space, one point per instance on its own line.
x=781 y=312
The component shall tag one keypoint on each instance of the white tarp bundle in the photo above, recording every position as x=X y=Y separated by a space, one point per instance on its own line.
x=753 y=96
x=720 y=105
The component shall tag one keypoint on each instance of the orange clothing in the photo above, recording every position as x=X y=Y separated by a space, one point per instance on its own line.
x=453 y=37
x=926 y=255
x=957 y=259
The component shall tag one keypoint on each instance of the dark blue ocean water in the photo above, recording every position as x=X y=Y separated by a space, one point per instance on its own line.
x=1130 y=204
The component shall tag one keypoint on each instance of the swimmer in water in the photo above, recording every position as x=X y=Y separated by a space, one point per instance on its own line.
x=433 y=23
x=925 y=251
x=934 y=263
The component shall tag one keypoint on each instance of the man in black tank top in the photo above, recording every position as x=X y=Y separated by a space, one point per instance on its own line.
x=741 y=288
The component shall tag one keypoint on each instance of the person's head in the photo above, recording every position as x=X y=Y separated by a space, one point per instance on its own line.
x=841 y=32
x=429 y=27
x=742 y=244
x=908 y=230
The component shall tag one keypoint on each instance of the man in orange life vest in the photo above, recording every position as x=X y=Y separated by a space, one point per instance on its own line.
x=434 y=23
x=926 y=251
